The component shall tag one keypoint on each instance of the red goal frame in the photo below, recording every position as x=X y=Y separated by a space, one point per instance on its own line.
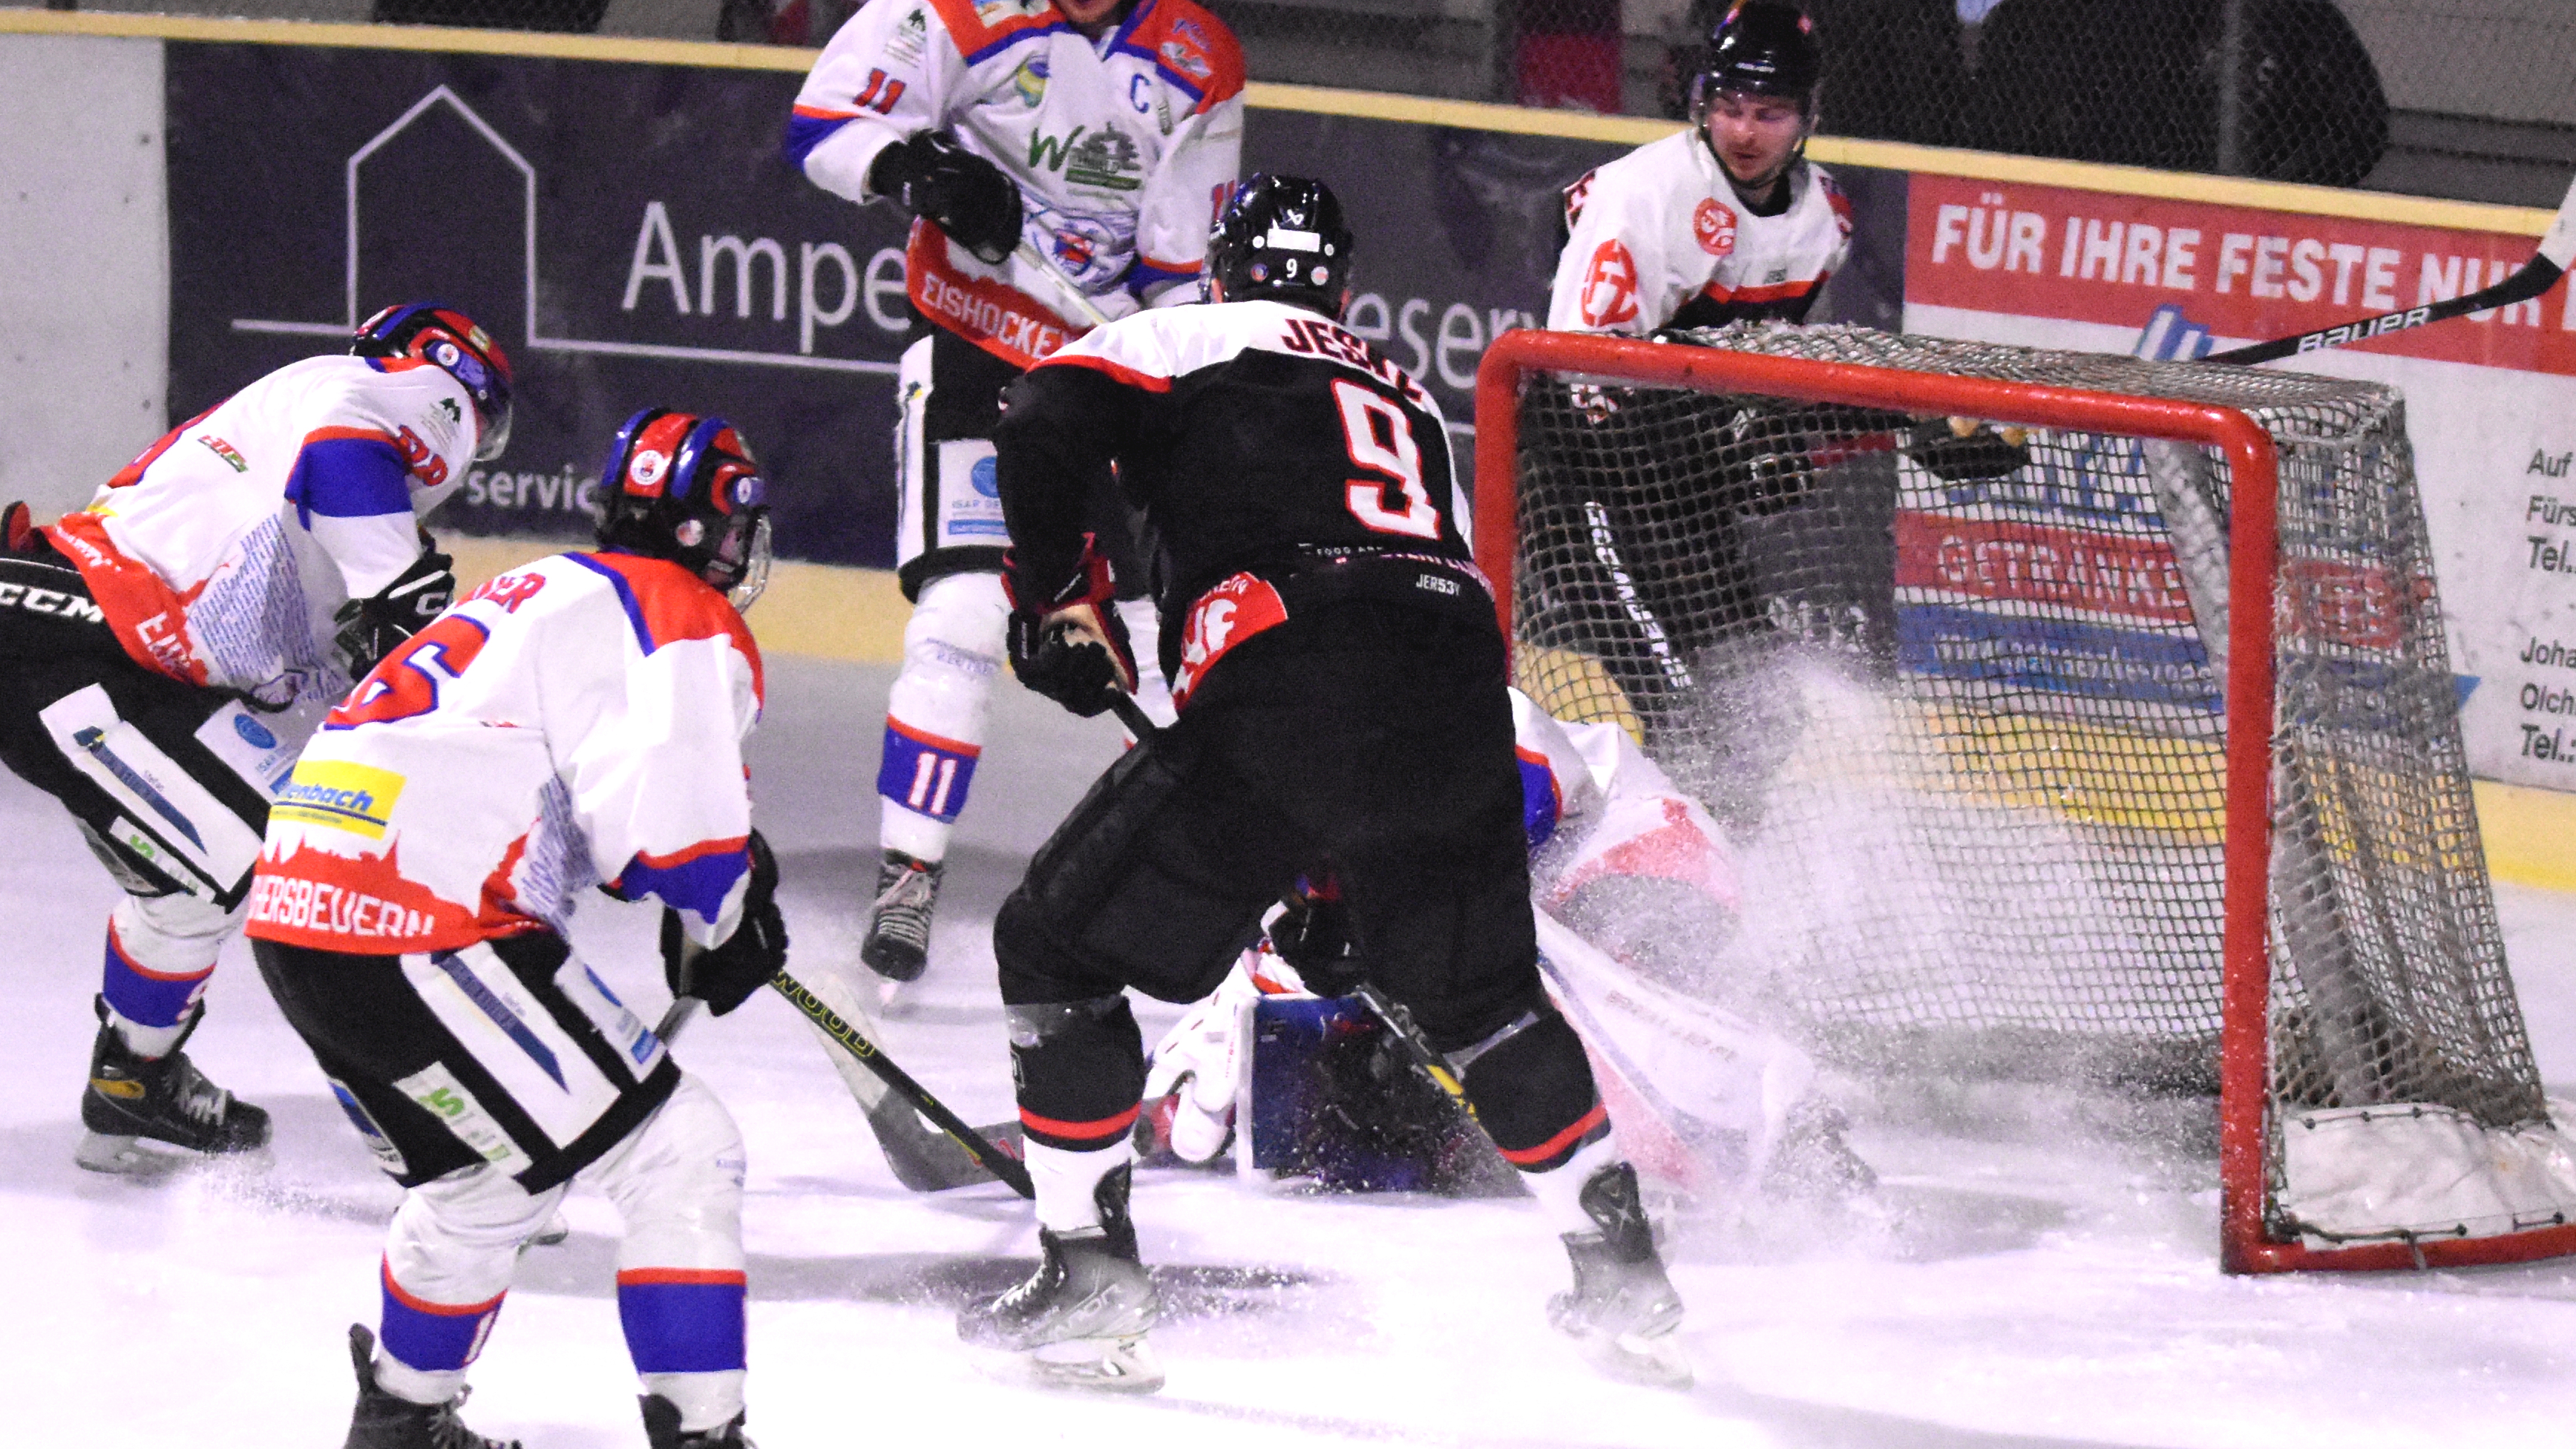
x=2253 y=559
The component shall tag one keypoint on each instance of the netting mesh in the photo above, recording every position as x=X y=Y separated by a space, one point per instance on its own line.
x=1957 y=694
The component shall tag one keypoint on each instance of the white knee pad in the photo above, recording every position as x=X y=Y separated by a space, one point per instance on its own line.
x=935 y=713
x=678 y=1183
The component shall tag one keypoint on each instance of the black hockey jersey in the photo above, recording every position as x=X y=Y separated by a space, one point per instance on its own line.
x=1279 y=456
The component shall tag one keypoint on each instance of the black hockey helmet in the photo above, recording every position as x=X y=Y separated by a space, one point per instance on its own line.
x=1761 y=48
x=684 y=487
x=436 y=333
x=1282 y=237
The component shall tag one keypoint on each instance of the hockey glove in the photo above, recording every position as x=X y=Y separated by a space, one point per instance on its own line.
x=961 y=193
x=1314 y=935
x=1073 y=647
x=372 y=628
x=1967 y=450
x=724 y=976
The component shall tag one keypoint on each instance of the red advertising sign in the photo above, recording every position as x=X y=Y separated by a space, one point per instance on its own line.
x=1999 y=559
x=2241 y=272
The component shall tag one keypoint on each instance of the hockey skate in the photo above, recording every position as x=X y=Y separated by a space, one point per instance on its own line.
x=898 y=940
x=1622 y=1308
x=387 y=1421
x=1081 y=1318
x=133 y=1099
x=662 y=1429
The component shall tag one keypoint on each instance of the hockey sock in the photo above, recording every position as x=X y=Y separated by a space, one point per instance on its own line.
x=684 y=1330
x=423 y=1347
x=152 y=980
x=1080 y=1066
x=1559 y=1190
x=1067 y=1182
x=924 y=779
x=1534 y=1094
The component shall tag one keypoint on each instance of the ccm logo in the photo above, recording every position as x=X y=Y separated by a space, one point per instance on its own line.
x=1436 y=584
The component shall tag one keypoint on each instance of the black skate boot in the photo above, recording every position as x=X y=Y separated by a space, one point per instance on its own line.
x=898 y=941
x=387 y=1421
x=1622 y=1307
x=662 y=1429
x=1082 y=1317
x=161 y=1099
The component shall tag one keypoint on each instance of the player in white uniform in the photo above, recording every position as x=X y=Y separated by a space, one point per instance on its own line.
x=574 y=722
x=1724 y=222
x=1099 y=134
x=165 y=652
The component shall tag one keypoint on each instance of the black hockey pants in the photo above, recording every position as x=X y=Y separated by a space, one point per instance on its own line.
x=1368 y=739
x=55 y=644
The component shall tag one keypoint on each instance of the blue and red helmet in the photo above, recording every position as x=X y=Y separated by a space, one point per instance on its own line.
x=684 y=487
x=436 y=333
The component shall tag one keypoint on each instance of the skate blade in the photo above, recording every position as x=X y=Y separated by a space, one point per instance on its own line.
x=137 y=1156
x=1090 y=1365
x=1654 y=1363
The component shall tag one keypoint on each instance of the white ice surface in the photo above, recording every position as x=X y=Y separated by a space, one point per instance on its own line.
x=2044 y=1280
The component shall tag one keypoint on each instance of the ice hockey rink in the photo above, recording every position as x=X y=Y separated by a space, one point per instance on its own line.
x=2038 y=1270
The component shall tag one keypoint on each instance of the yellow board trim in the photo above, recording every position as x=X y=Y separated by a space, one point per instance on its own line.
x=1358 y=105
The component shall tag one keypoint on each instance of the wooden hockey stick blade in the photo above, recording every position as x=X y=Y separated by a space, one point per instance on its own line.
x=850 y=1039
x=2557 y=250
x=928 y=1161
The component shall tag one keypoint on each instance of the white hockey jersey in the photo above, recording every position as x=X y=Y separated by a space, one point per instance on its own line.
x=1594 y=806
x=1658 y=238
x=579 y=720
x=220 y=554
x=1123 y=148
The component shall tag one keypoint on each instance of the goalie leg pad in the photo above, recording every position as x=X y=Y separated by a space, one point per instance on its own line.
x=677 y=1182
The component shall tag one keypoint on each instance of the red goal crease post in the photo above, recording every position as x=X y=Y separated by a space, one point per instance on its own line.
x=2132 y=697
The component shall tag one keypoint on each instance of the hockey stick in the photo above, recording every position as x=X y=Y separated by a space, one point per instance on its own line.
x=1038 y=261
x=2556 y=251
x=901 y=1085
x=922 y=1161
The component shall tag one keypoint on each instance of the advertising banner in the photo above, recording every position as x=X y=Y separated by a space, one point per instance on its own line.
x=2491 y=398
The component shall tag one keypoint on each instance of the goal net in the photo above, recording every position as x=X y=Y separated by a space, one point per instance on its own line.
x=2067 y=713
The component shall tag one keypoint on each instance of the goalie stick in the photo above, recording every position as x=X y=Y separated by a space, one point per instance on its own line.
x=2557 y=250
x=922 y=1160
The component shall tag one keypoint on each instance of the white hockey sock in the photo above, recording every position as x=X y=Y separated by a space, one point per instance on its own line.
x=913 y=833
x=1560 y=1190
x=419 y=1386
x=144 y=1041
x=1066 y=1180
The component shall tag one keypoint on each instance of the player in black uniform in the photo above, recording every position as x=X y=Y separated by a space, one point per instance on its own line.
x=1341 y=678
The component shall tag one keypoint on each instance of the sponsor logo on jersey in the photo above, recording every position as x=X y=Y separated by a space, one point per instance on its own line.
x=225 y=451
x=454 y=413
x=1575 y=196
x=998 y=12
x=258 y=736
x=1030 y=80
x=508 y=590
x=1713 y=227
x=911 y=37
x=344 y=796
x=1224 y=616
x=1104 y=159
x=1609 y=292
x=293 y=903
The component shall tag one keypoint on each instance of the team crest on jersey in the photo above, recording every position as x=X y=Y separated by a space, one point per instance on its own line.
x=1575 y=196
x=225 y=451
x=1188 y=60
x=1713 y=227
x=1030 y=80
x=1610 y=286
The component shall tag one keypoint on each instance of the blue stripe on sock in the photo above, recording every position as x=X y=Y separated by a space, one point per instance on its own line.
x=682 y=1328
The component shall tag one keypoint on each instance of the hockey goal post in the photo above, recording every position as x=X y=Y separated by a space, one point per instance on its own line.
x=2311 y=929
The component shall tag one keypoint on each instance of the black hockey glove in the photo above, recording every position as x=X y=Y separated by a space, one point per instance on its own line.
x=724 y=976
x=956 y=190
x=1314 y=935
x=1073 y=647
x=372 y=628
x=1965 y=450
